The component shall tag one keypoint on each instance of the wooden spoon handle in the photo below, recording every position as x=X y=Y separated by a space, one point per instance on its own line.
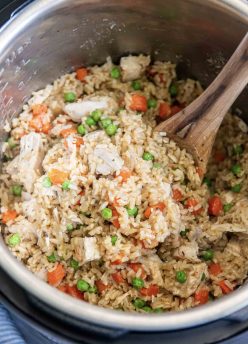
x=200 y=121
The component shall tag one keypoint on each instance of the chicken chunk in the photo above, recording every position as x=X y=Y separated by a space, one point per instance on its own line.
x=193 y=272
x=133 y=66
x=27 y=166
x=109 y=159
x=26 y=229
x=86 y=249
x=188 y=251
x=83 y=108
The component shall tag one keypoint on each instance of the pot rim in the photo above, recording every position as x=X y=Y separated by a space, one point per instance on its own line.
x=92 y=313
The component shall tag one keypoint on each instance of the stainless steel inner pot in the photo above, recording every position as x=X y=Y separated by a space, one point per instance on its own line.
x=49 y=38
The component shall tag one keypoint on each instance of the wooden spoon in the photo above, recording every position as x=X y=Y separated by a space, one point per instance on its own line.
x=198 y=123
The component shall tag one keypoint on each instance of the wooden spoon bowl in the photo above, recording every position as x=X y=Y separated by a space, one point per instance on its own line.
x=196 y=126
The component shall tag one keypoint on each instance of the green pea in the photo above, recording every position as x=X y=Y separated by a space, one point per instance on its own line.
x=132 y=211
x=69 y=227
x=16 y=190
x=14 y=240
x=236 y=169
x=96 y=115
x=148 y=156
x=74 y=264
x=207 y=181
x=173 y=89
x=139 y=303
x=106 y=213
x=152 y=103
x=52 y=258
x=208 y=255
x=81 y=129
x=184 y=233
x=227 y=207
x=136 y=85
x=82 y=285
x=111 y=130
x=181 y=276
x=147 y=309
x=46 y=182
x=237 y=150
x=66 y=185
x=157 y=165
x=90 y=121
x=236 y=188
x=115 y=73
x=92 y=290
x=114 y=238
x=11 y=142
x=105 y=122
x=158 y=310
x=70 y=97
x=137 y=283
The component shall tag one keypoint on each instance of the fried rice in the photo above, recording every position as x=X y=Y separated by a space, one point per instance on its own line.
x=102 y=207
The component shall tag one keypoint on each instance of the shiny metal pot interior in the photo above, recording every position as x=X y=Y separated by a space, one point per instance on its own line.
x=49 y=38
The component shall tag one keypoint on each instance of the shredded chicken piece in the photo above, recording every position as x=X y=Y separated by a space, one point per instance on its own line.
x=86 y=249
x=83 y=108
x=133 y=66
x=27 y=166
x=109 y=159
x=188 y=251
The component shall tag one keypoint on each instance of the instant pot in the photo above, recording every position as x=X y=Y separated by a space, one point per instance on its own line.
x=44 y=39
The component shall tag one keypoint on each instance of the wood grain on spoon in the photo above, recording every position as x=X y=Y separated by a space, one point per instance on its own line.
x=200 y=121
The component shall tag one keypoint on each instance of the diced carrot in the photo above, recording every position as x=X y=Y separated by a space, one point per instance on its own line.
x=152 y=290
x=57 y=176
x=199 y=171
x=148 y=210
x=69 y=131
x=81 y=73
x=115 y=215
x=116 y=202
x=136 y=267
x=101 y=286
x=125 y=174
x=164 y=110
x=138 y=103
x=219 y=156
x=40 y=124
x=225 y=289
x=201 y=296
x=214 y=269
x=46 y=127
x=160 y=206
x=74 y=292
x=215 y=206
x=9 y=215
x=176 y=108
x=39 y=109
x=79 y=141
x=177 y=195
x=191 y=203
x=56 y=276
x=116 y=262
x=116 y=223
x=62 y=288
x=117 y=277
